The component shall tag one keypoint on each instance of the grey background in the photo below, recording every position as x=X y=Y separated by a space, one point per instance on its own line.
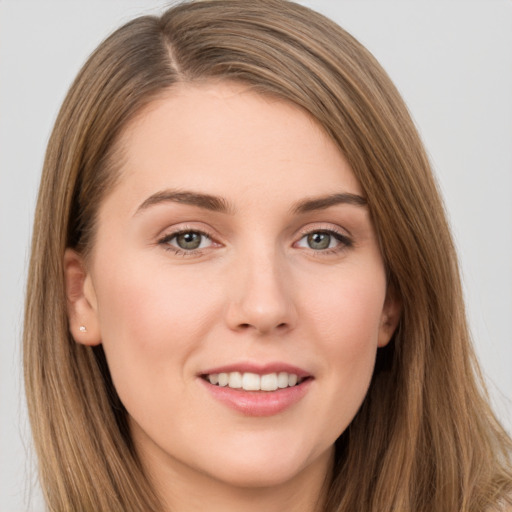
x=452 y=61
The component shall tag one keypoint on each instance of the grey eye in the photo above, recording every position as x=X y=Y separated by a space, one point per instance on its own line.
x=186 y=242
x=189 y=240
x=319 y=241
x=322 y=240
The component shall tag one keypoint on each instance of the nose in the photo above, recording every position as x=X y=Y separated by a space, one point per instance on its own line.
x=261 y=297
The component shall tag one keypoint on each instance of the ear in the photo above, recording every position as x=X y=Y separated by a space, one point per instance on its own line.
x=391 y=313
x=81 y=300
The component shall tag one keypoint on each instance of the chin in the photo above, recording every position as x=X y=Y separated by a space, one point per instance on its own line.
x=258 y=476
x=263 y=469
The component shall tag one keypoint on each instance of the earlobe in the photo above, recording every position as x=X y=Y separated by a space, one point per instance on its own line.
x=390 y=318
x=81 y=300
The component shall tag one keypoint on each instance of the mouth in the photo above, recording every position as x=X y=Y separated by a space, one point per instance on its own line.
x=254 y=390
x=249 y=381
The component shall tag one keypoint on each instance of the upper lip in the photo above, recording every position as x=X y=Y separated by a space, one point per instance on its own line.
x=260 y=369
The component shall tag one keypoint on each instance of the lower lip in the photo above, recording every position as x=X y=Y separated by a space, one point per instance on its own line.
x=258 y=403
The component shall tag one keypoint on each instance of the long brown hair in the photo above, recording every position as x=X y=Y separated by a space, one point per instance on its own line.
x=425 y=438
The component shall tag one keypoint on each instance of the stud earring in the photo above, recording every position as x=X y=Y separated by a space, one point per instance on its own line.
x=82 y=328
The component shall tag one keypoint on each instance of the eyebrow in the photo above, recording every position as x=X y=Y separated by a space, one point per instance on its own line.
x=323 y=202
x=219 y=204
x=206 y=201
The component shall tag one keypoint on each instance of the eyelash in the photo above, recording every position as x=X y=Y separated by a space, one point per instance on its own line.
x=164 y=241
x=344 y=242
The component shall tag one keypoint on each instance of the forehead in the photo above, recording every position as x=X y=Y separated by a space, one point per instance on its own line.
x=225 y=139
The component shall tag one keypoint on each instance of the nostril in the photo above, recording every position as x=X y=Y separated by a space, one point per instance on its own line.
x=245 y=326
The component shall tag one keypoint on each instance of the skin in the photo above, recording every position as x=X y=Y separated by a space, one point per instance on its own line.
x=255 y=291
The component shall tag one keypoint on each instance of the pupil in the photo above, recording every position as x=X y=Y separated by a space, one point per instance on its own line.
x=189 y=240
x=319 y=240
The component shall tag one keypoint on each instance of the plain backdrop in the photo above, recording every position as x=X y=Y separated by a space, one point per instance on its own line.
x=451 y=60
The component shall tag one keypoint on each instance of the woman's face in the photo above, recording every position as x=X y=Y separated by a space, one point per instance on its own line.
x=236 y=250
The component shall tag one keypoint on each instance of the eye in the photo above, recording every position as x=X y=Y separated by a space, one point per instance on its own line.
x=323 y=240
x=319 y=241
x=187 y=241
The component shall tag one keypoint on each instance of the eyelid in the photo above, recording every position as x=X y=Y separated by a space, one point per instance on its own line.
x=184 y=227
x=172 y=232
x=342 y=235
x=172 y=236
x=325 y=227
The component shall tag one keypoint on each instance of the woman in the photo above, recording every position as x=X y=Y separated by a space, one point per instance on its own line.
x=254 y=295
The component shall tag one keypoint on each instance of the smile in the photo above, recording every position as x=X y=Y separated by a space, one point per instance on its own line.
x=255 y=390
x=253 y=382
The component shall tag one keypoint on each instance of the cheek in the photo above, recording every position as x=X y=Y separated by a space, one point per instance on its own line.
x=148 y=306
x=151 y=322
x=347 y=306
x=345 y=320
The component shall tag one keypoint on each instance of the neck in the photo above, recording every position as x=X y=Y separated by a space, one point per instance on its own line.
x=182 y=489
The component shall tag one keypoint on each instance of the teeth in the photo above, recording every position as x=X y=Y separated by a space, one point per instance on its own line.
x=251 y=382
x=269 y=382
x=223 y=379
x=254 y=382
x=282 y=380
x=235 y=380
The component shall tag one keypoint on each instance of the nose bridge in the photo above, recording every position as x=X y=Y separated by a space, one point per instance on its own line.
x=261 y=297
